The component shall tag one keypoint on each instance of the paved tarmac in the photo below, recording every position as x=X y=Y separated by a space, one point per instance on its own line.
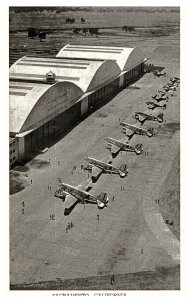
x=125 y=239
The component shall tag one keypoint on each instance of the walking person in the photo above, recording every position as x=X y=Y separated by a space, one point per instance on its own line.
x=98 y=217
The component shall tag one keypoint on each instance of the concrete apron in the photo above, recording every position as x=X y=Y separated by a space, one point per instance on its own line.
x=151 y=211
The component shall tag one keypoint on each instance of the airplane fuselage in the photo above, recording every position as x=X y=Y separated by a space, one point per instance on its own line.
x=147 y=116
x=121 y=145
x=103 y=166
x=80 y=195
x=135 y=129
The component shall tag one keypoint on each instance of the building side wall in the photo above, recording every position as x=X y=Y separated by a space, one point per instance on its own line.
x=106 y=72
x=84 y=106
x=55 y=100
x=133 y=74
x=21 y=147
x=13 y=151
x=49 y=131
x=102 y=94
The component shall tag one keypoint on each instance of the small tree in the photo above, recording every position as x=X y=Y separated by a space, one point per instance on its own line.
x=32 y=32
x=93 y=31
x=125 y=28
x=42 y=35
x=85 y=30
x=76 y=30
x=83 y=20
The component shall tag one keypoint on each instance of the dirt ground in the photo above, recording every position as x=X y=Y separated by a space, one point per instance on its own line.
x=131 y=235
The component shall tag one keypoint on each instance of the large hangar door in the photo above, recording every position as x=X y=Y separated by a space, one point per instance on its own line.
x=112 y=87
x=84 y=106
x=28 y=147
x=69 y=117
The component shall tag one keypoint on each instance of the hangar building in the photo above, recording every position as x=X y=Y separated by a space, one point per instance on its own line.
x=48 y=95
x=129 y=60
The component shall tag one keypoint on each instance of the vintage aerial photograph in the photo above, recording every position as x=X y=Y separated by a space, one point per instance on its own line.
x=94 y=148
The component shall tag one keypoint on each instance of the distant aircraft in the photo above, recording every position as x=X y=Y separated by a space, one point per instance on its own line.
x=99 y=166
x=161 y=92
x=154 y=105
x=158 y=74
x=82 y=197
x=130 y=130
x=159 y=98
x=175 y=80
x=142 y=117
x=117 y=145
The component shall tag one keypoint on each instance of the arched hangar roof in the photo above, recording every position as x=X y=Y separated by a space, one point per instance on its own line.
x=126 y=58
x=86 y=74
x=33 y=104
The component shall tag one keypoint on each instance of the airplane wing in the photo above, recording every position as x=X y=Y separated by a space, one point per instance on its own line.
x=129 y=132
x=142 y=118
x=70 y=201
x=96 y=172
x=84 y=185
x=115 y=149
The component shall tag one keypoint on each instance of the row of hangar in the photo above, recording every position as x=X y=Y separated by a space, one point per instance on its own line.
x=48 y=95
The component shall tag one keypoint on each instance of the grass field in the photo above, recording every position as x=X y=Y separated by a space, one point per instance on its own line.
x=94 y=18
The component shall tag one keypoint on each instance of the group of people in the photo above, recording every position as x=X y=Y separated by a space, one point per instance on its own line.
x=70 y=225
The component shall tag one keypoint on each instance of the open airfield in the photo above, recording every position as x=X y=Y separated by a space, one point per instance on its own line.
x=130 y=238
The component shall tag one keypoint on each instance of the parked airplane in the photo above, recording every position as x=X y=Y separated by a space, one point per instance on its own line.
x=130 y=130
x=158 y=74
x=82 y=197
x=117 y=145
x=159 y=98
x=175 y=80
x=154 y=105
x=99 y=166
x=161 y=92
x=142 y=117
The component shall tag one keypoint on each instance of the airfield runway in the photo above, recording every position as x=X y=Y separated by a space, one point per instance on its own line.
x=130 y=235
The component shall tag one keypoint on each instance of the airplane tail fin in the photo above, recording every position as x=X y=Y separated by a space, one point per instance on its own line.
x=150 y=132
x=122 y=124
x=138 y=148
x=160 y=117
x=108 y=146
x=123 y=170
x=102 y=200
